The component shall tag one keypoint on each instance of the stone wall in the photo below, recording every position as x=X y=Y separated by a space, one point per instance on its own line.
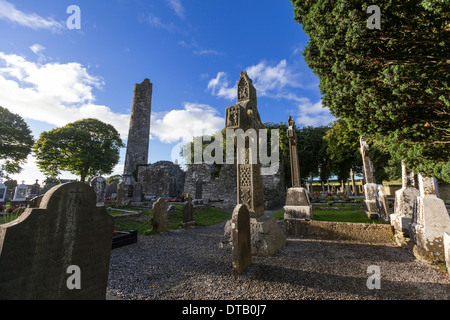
x=221 y=190
x=156 y=179
x=444 y=190
x=340 y=230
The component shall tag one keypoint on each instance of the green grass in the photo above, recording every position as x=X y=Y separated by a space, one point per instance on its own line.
x=206 y=217
x=345 y=213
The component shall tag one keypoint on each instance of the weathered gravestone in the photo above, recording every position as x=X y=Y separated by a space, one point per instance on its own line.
x=240 y=239
x=20 y=192
x=298 y=206
x=41 y=251
x=160 y=215
x=98 y=183
x=404 y=202
x=374 y=196
x=188 y=213
x=137 y=194
x=3 y=190
x=431 y=220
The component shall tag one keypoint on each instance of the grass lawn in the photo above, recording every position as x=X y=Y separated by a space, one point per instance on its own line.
x=345 y=213
x=206 y=217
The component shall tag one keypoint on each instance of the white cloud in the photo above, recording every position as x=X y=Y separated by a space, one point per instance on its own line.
x=53 y=93
x=193 y=120
x=272 y=79
x=177 y=7
x=158 y=23
x=199 y=51
x=313 y=114
x=37 y=48
x=269 y=80
x=219 y=86
x=31 y=20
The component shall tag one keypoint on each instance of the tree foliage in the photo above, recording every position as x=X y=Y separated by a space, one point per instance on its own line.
x=82 y=148
x=15 y=142
x=389 y=84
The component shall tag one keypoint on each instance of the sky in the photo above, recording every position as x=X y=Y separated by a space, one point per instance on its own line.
x=193 y=51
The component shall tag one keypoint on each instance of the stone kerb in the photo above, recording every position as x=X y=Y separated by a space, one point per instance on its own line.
x=37 y=249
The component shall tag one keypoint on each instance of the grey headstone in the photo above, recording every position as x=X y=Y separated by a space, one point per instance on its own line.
x=240 y=238
x=37 y=249
x=20 y=193
x=98 y=183
x=160 y=215
x=188 y=212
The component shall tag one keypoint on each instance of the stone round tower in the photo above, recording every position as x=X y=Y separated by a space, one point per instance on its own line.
x=139 y=131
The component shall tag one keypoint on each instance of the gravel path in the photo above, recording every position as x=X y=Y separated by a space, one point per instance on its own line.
x=187 y=264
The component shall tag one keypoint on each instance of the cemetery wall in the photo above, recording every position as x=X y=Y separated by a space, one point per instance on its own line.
x=156 y=179
x=341 y=230
x=221 y=190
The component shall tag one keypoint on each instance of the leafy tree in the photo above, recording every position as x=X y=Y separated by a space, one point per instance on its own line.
x=344 y=152
x=390 y=84
x=82 y=147
x=343 y=148
x=312 y=150
x=15 y=142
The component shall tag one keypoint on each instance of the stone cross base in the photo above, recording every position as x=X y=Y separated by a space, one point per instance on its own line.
x=189 y=224
x=297 y=209
x=266 y=236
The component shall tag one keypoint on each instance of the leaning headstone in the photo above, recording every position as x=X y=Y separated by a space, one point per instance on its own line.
x=20 y=192
x=59 y=251
x=404 y=202
x=3 y=190
x=371 y=202
x=431 y=220
x=98 y=183
x=384 y=213
x=240 y=238
x=160 y=215
x=188 y=213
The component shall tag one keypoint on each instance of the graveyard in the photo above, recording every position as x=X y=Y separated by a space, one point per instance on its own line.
x=258 y=212
x=159 y=242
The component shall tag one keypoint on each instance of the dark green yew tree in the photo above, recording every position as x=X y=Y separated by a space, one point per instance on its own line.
x=389 y=84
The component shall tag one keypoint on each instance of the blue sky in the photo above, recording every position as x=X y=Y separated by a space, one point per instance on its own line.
x=191 y=50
